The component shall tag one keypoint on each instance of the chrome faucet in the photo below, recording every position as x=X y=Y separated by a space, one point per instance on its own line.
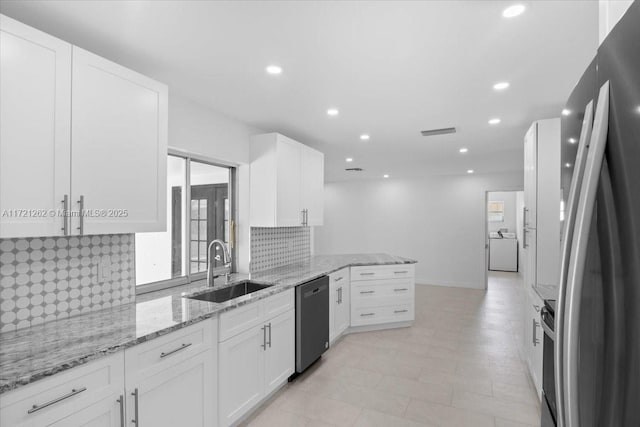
x=213 y=273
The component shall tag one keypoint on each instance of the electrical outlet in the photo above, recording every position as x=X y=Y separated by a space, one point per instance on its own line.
x=104 y=269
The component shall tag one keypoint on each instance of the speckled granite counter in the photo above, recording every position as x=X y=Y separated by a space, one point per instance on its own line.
x=30 y=354
x=546 y=292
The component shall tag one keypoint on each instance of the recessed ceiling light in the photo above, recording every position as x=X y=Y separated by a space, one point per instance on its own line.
x=566 y=112
x=333 y=112
x=364 y=137
x=469 y=170
x=567 y=165
x=501 y=85
x=513 y=11
x=385 y=175
x=274 y=69
x=494 y=121
x=348 y=160
x=463 y=150
x=572 y=140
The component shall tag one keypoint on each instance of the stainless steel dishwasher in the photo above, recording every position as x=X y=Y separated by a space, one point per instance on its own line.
x=312 y=322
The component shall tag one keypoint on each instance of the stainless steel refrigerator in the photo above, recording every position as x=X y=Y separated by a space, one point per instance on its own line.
x=597 y=320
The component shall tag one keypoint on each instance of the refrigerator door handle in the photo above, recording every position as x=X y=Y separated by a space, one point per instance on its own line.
x=567 y=236
x=575 y=275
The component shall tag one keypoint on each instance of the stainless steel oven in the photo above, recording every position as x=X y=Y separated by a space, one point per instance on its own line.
x=548 y=410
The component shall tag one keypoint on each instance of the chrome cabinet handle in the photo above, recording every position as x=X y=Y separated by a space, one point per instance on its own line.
x=120 y=400
x=524 y=238
x=534 y=334
x=269 y=334
x=81 y=215
x=73 y=392
x=65 y=217
x=367 y=292
x=366 y=314
x=400 y=311
x=536 y=308
x=401 y=272
x=367 y=274
x=337 y=279
x=264 y=338
x=340 y=295
x=182 y=347
x=401 y=289
x=135 y=395
x=306 y=217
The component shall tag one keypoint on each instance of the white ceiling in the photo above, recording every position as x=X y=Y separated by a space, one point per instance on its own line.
x=392 y=68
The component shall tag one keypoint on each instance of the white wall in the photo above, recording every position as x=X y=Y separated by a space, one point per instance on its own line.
x=439 y=221
x=609 y=13
x=509 y=199
x=203 y=131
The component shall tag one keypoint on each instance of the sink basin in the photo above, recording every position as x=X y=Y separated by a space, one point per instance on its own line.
x=229 y=292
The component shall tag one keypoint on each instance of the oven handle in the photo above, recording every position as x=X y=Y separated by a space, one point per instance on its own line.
x=547 y=330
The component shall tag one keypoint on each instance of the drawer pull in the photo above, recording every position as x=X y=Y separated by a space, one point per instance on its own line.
x=367 y=274
x=182 y=347
x=401 y=289
x=73 y=392
x=400 y=311
x=367 y=314
x=337 y=279
x=367 y=292
x=401 y=272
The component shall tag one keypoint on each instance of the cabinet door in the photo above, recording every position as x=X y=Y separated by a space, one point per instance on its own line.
x=180 y=395
x=530 y=252
x=35 y=112
x=119 y=149
x=343 y=313
x=334 y=297
x=530 y=176
x=106 y=413
x=288 y=185
x=279 y=357
x=536 y=343
x=313 y=185
x=241 y=374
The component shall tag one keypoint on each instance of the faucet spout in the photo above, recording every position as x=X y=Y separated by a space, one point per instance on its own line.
x=212 y=271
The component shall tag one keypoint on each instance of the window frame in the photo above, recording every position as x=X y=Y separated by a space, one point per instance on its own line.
x=188 y=277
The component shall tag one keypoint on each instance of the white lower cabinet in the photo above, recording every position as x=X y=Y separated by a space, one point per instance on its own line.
x=339 y=303
x=88 y=395
x=382 y=294
x=170 y=381
x=535 y=339
x=258 y=358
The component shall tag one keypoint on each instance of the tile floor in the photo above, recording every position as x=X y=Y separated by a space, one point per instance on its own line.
x=458 y=365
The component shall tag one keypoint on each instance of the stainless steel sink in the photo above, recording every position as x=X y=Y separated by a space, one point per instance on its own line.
x=229 y=292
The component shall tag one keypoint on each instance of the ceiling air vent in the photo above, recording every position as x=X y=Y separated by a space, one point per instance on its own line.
x=433 y=132
x=354 y=169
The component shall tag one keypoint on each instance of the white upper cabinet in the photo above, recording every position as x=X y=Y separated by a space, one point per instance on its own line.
x=35 y=136
x=287 y=182
x=530 y=176
x=77 y=127
x=119 y=147
x=313 y=185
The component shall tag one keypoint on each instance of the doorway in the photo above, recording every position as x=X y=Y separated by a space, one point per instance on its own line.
x=503 y=235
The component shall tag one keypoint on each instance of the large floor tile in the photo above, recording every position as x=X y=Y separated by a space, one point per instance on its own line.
x=446 y=416
x=371 y=418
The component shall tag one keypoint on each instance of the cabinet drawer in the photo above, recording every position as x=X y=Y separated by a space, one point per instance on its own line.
x=401 y=312
x=396 y=288
x=278 y=303
x=170 y=349
x=64 y=393
x=382 y=272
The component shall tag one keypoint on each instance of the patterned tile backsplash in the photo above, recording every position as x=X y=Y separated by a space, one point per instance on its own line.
x=49 y=278
x=275 y=247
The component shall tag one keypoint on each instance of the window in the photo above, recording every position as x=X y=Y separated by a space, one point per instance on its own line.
x=495 y=211
x=199 y=210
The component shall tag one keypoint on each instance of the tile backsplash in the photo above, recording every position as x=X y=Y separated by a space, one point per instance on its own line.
x=275 y=247
x=49 y=278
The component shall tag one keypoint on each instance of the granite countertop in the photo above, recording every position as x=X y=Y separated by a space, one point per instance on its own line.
x=546 y=292
x=30 y=354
